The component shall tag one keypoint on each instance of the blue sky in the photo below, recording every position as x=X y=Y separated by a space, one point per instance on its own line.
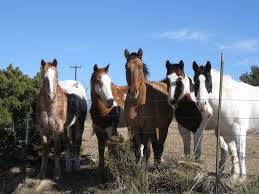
x=89 y=32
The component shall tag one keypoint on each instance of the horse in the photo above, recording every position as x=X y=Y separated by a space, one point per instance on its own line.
x=238 y=113
x=147 y=112
x=57 y=111
x=182 y=99
x=106 y=108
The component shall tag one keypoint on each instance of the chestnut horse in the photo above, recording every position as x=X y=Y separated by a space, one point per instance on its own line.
x=148 y=114
x=55 y=112
x=106 y=108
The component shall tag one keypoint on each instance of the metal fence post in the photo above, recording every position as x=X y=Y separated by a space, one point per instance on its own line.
x=218 y=123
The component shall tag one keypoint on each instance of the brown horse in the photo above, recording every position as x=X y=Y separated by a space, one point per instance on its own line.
x=147 y=111
x=55 y=112
x=106 y=108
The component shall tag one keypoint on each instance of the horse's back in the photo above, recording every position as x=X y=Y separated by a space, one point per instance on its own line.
x=73 y=87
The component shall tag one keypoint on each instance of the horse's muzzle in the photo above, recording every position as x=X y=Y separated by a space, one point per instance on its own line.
x=133 y=95
x=110 y=103
x=51 y=97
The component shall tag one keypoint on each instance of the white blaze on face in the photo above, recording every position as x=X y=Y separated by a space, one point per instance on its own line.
x=172 y=80
x=50 y=75
x=104 y=91
x=202 y=95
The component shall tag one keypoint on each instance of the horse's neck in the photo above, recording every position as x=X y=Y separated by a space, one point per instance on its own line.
x=59 y=99
x=98 y=107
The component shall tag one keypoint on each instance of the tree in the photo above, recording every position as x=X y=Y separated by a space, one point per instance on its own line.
x=251 y=78
x=18 y=94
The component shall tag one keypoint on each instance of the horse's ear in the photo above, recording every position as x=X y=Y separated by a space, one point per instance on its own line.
x=140 y=53
x=43 y=63
x=181 y=64
x=167 y=64
x=194 y=66
x=126 y=53
x=55 y=62
x=95 y=68
x=208 y=66
x=107 y=68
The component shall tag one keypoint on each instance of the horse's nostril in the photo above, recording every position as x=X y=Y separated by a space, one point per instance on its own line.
x=205 y=102
x=110 y=102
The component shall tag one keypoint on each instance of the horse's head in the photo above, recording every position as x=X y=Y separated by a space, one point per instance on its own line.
x=176 y=82
x=50 y=78
x=136 y=72
x=101 y=85
x=202 y=84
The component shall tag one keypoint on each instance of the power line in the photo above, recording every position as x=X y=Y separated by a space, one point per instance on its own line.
x=75 y=68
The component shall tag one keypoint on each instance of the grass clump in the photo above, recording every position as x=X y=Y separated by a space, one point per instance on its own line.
x=129 y=176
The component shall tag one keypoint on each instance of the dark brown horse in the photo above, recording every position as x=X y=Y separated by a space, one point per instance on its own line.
x=147 y=111
x=107 y=107
x=55 y=112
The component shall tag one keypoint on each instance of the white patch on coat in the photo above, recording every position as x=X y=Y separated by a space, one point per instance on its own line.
x=172 y=80
x=72 y=122
x=73 y=87
x=141 y=149
x=104 y=91
x=50 y=74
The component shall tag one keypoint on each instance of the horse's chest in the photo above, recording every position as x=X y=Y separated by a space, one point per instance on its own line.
x=51 y=122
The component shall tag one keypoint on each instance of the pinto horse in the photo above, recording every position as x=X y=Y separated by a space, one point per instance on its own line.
x=147 y=112
x=238 y=114
x=182 y=99
x=106 y=108
x=57 y=111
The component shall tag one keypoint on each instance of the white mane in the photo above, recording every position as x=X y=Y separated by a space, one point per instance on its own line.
x=73 y=87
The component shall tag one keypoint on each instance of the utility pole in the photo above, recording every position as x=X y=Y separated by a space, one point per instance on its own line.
x=75 y=67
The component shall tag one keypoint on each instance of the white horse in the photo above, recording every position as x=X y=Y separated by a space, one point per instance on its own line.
x=239 y=112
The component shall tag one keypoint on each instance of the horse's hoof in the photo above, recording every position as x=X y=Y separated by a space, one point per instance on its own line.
x=235 y=177
x=41 y=176
x=57 y=178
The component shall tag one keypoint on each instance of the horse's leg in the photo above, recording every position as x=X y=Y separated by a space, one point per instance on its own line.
x=235 y=161
x=44 y=159
x=77 y=132
x=186 y=136
x=57 y=149
x=101 y=147
x=160 y=145
x=68 y=152
x=197 y=143
x=154 y=141
x=241 y=151
x=147 y=150
x=223 y=156
x=198 y=136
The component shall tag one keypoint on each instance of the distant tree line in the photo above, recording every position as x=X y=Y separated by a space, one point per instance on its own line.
x=252 y=77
